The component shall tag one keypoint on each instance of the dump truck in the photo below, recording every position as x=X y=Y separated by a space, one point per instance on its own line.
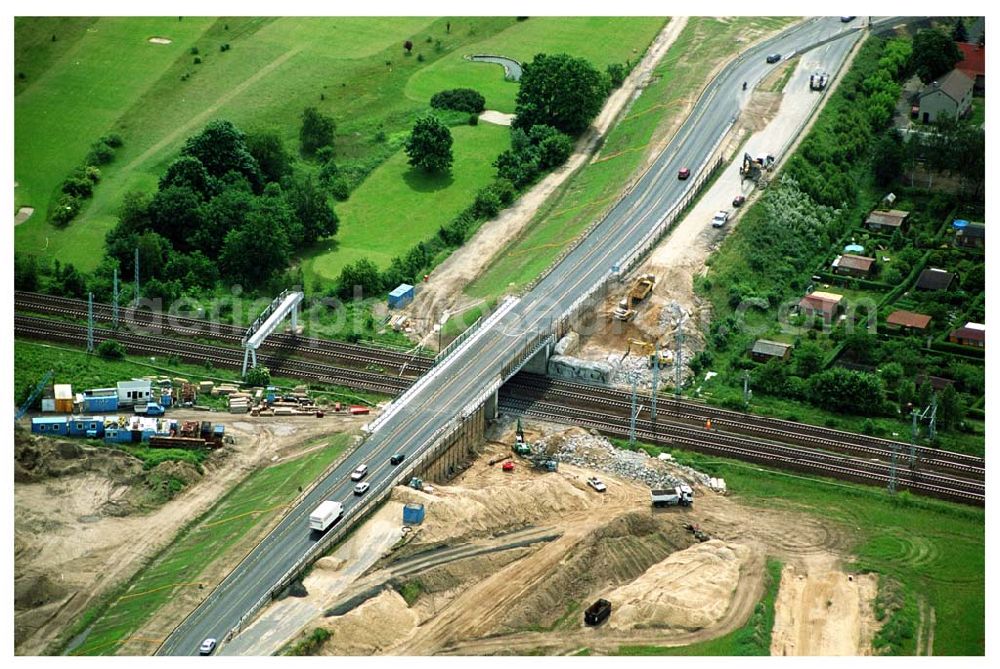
x=325 y=515
x=597 y=612
x=681 y=495
x=640 y=290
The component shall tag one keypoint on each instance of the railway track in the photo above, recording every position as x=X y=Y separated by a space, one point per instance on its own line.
x=158 y=323
x=756 y=450
x=575 y=394
x=569 y=402
x=189 y=351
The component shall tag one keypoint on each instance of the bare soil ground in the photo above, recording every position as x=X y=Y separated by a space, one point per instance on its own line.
x=443 y=292
x=78 y=530
x=667 y=588
x=821 y=610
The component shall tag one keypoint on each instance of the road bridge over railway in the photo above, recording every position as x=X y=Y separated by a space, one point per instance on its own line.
x=430 y=419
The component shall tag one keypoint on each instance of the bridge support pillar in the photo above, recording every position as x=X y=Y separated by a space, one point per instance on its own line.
x=492 y=406
x=539 y=363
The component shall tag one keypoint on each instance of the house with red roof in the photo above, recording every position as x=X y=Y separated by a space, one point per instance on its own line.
x=973 y=64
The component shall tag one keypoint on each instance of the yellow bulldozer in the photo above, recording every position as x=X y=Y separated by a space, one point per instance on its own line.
x=648 y=350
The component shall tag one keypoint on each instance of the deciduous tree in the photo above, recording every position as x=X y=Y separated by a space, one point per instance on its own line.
x=561 y=91
x=429 y=145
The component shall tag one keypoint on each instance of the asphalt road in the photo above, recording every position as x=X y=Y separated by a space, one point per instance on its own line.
x=411 y=429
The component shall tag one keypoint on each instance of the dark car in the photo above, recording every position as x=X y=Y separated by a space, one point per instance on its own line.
x=774 y=58
x=846 y=19
x=739 y=200
x=683 y=173
x=396 y=459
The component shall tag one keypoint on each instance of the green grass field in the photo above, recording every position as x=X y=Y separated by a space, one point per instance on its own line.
x=351 y=68
x=935 y=549
x=681 y=74
x=601 y=40
x=398 y=206
x=243 y=513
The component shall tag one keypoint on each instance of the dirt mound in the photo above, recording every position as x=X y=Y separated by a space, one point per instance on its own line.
x=460 y=513
x=34 y=591
x=691 y=589
x=611 y=555
x=38 y=459
x=371 y=628
x=455 y=576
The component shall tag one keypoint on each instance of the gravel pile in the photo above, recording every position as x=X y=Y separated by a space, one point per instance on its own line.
x=598 y=453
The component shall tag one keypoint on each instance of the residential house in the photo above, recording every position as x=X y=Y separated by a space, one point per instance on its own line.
x=853 y=265
x=950 y=95
x=973 y=64
x=935 y=279
x=907 y=321
x=970 y=334
x=765 y=349
x=887 y=219
x=971 y=236
x=818 y=303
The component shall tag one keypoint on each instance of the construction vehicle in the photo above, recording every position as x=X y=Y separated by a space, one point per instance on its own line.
x=818 y=80
x=324 y=515
x=520 y=446
x=416 y=484
x=597 y=612
x=640 y=290
x=647 y=349
x=150 y=409
x=681 y=495
x=697 y=532
x=753 y=169
x=38 y=389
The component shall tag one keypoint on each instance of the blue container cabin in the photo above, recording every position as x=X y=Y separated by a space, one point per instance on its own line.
x=400 y=296
x=413 y=514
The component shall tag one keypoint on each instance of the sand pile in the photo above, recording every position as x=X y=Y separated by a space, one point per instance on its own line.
x=454 y=512
x=691 y=589
x=371 y=628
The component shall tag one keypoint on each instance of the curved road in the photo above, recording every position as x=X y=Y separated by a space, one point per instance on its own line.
x=471 y=368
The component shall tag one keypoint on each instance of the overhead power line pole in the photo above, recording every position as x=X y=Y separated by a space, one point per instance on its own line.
x=137 y=276
x=114 y=301
x=90 y=322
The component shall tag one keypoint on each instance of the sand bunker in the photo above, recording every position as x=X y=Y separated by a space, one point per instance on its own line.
x=691 y=589
x=496 y=118
x=159 y=40
x=23 y=214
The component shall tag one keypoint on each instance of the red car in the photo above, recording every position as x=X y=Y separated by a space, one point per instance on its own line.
x=508 y=466
x=683 y=173
x=739 y=200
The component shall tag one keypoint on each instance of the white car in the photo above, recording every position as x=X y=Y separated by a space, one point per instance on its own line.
x=361 y=488
x=359 y=473
x=597 y=484
x=207 y=646
x=720 y=218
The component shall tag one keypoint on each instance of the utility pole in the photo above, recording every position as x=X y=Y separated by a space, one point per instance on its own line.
x=137 y=277
x=656 y=377
x=913 y=438
x=892 y=469
x=932 y=426
x=631 y=429
x=114 y=301
x=90 y=322
x=747 y=393
x=678 y=342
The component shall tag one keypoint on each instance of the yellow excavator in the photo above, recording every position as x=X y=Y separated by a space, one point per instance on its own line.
x=647 y=350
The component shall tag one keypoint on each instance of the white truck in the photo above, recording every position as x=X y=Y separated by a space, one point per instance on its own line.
x=325 y=515
x=681 y=495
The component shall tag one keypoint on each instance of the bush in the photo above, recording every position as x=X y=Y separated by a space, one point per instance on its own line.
x=420 y=57
x=194 y=51
x=197 y=60
x=258 y=376
x=100 y=154
x=78 y=186
x=473 y=119
x=66 y=209
x=487 y=204
x=111 y=349
x=460 y=99
x=224 y=47
x=617 y=73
